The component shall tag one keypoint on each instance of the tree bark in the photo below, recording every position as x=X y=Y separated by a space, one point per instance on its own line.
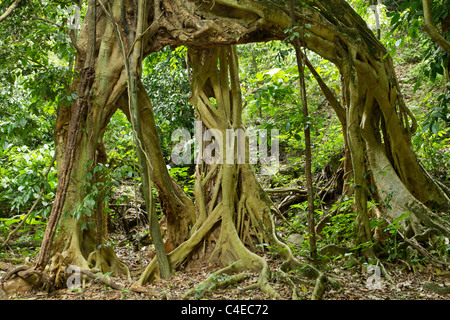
x=9 y=10
x=77 y=145
x=431 y=29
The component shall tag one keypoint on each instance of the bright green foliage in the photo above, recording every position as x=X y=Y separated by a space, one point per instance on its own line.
x=409 y=18
x=165 y=78
x=35 y=74
x=407 y=23
x=36 y=52
x=434 y=150
x=119 y=144
x=272 y=101
x=21 y=179
x=184 y=178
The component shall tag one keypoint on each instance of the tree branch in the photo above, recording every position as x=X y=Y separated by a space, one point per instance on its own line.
x=9 y=10
x=431 y=29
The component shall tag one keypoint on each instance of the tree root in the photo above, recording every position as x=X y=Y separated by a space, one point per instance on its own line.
x=24 y=278
x=216 y=281
x=26 y=272
x=106 y=261
x=237 y=274
x=178 y=255
x=235 y=197
x=231 y=247
x=264 y=283
x=102 y=278
x=54 y=276
x=250 y=261
x=15 y=270
x=320 y=287
x=415 y=245
x=290 y=281
x=434 y=287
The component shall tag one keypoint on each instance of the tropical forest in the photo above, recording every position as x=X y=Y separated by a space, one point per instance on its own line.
x=225 y=150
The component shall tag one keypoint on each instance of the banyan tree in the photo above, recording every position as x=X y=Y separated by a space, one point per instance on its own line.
x=229 y=201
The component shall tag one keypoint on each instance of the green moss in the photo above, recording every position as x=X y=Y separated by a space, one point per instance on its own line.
x=441 y=246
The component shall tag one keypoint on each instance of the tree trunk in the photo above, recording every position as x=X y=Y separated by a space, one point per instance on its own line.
x=233 y=212
x=108 y=94
x=430 y=27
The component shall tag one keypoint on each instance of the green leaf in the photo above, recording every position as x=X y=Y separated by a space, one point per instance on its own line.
x=403 y=216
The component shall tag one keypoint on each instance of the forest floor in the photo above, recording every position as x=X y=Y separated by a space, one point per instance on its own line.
x=350 y=282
